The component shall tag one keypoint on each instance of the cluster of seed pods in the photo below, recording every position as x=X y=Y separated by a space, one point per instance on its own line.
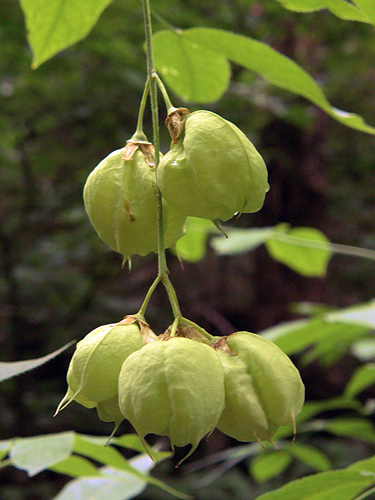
x=182 y=387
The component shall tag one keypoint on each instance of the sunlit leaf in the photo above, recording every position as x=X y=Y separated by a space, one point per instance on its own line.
x=310 y=456
x=252 y=54
x=362 y=378
x=295 y=248
x=266 y=466
x=331 y=485
x=240 y=240
x=196 y=75
x=368 y=7
x=355 y=428
x=361 y=314
x=36 y=454
x=76 y=466
x=192 y=246
x=54 y=25
x=13 y=368
x=340 y=8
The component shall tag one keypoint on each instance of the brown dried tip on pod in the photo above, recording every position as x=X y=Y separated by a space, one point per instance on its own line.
x=174 y=388
x=121 y=203
x=263 y=388
x=212 y=170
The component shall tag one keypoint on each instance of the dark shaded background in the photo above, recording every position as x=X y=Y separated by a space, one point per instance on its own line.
x=58 y=281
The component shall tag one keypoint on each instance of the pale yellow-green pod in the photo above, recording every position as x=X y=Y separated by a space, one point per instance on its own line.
x=213 y=171
x=95 y=366
x=243 y=417
x=263 y=388
x=173 y=388
x=120 y=200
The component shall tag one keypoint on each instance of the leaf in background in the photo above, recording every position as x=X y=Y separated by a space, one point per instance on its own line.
x=355 y=428
x=36 y=454
x=76 y=466
x=266 y=466
x=194 y=74
x=340 y=8
x=331 y=485
x=362 y=378
x=107 y=455
x=240 y=240
x=368 y=7
x=118 y=485
x=5 y=446
x=13 y=368
x=292 y=248
x=310 y=456
x=192 y=246
x=362 y=314
x=94 y=448
x=364 y=349
x=54 y=25
x=251 y=54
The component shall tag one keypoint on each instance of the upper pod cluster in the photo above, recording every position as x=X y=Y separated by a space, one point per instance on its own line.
x=212 y=170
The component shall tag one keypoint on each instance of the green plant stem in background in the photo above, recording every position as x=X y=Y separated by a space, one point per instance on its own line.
x=320 y=245
x=151 y=72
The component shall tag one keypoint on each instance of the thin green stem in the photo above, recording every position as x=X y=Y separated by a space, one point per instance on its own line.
x=139 y=134
x=164 y=93
x=367 y=494
x=143 y=308
x=197 y=327
x=151 y=72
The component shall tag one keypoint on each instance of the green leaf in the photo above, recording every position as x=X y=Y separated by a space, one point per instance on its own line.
x=13 y=368
x=76 y=466
x=361 y=379
x=115 y=485
x=361 y=314
x=355 y=428
x=240 y=240
x=192 y=246
x=54 y=25
x=368 y=7
x=364 y=349
x=36 y=454
x=251 y=54
x=269 y=465
x=340 y=8
x=107 y=455
x=5 y=446
x=196 y=75
x=310 y=456
x=95 y=449
x=331 y=485
x=296 y=248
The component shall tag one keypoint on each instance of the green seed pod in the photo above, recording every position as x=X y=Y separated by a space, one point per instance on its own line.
x=263 y=388
x=120 y=200
x=213 y=171
x=173 y=388
x=95 y=366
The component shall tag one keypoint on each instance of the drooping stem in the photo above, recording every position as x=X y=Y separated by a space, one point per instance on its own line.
x=139 y=134
x=151 y=76
x=146 y=300
x=164 y=93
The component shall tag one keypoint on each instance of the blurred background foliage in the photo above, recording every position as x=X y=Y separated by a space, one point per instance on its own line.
x=58 y=281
